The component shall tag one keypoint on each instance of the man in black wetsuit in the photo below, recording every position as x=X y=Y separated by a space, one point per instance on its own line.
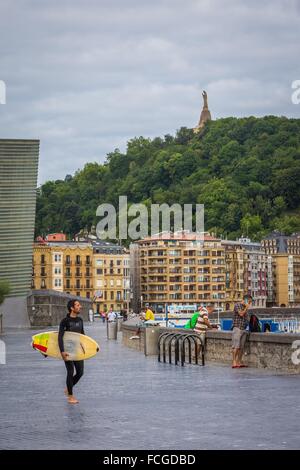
x=72 y=322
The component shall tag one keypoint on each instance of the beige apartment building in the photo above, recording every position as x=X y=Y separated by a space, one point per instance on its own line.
x=180 y=269
x=96 y=270
x=63 y=266
x=283 y=266
x=246 y=272
x=111 y=276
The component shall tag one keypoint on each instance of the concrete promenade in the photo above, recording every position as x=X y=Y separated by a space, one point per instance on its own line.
x=128 y=401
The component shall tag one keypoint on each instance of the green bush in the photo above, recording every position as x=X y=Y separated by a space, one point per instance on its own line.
x=4 y=290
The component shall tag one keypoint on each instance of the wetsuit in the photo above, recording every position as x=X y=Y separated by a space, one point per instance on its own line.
x=76 y=325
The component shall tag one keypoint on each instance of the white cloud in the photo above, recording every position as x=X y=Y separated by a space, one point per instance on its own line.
x=86 y=76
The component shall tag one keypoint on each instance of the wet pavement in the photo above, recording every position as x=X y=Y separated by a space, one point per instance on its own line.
x=128 y=401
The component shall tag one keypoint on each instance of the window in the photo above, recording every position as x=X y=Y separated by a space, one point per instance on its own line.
x=118 y=262
x=68 y=260
x=78 y=294
x=112 y=296
x=119 y=282
x=88 y=295
x=57 y=258
x=88 y=284
x=99 y=271
x=99 y=283
x=42 y=259
x=99 y=262
x=77 y=284
x=111 y=283
x=57 y=270
x=43 y=284
x=68 y=283
x=88 y=260
x=57 y=282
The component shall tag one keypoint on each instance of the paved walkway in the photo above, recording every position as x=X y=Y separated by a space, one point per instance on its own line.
x=128 y=401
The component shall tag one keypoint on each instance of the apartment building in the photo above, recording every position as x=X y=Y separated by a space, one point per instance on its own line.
x=181 y=268
x=246 y=272
x=283 y=266
x=65 y=267
x=111 y=276
x=97 y=270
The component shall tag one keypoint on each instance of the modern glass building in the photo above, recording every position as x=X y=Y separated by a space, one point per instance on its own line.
x=18 y=183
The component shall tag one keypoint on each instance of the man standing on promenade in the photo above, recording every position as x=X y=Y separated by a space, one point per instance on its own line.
x=112 y=316
x=203 y=323
x=239 y=333
x=72 y=322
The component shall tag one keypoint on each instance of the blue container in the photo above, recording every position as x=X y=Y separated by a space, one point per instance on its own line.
x=226 y=324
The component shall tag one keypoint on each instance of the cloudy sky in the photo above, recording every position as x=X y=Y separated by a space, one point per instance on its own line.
x=85 y=76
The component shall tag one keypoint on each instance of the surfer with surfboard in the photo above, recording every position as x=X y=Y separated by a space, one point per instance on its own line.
x=72 y=322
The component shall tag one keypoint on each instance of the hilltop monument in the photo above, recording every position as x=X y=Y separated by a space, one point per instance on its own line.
x=205 y=114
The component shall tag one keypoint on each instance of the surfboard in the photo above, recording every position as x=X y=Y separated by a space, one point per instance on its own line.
x=78 y=346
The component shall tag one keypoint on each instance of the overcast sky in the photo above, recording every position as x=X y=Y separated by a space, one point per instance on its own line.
x=85 y=76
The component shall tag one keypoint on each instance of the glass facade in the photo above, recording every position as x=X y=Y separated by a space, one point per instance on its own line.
x=18 y=182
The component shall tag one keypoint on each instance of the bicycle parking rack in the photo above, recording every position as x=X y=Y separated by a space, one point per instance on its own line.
x=194 y=341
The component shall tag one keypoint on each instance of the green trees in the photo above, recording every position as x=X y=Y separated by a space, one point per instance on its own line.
x=4 y=290
x=246 y=171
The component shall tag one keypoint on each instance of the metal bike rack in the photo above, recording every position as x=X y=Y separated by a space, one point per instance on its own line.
x=166 y=340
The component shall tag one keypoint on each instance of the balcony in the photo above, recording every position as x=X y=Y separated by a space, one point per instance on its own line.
x=176 y=279
x=175 y=270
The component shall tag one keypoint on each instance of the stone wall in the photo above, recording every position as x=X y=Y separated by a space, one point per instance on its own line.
x=48 y=307
x=278 y=312
x=130 y=330
x=272 y=351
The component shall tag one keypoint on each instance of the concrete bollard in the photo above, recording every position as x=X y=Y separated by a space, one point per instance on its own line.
x=151 y=340
x=120 y=321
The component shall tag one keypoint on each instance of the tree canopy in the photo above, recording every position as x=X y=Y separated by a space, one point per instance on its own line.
x=246 y=171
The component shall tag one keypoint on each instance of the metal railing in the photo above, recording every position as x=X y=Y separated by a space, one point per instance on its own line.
x=175 y=344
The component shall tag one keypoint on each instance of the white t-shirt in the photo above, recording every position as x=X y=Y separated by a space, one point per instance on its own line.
x=111 y=316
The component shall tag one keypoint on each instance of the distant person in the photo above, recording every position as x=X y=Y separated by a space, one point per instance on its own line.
x=103 y=316
x=239 y=333
x=112 y=316
x=191 y=323
x=203 y=323
x=143 y=315
x=149 y=315
x=72 y=322
x=91 y=315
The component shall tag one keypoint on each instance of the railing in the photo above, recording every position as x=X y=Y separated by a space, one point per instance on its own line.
x=180 y=340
